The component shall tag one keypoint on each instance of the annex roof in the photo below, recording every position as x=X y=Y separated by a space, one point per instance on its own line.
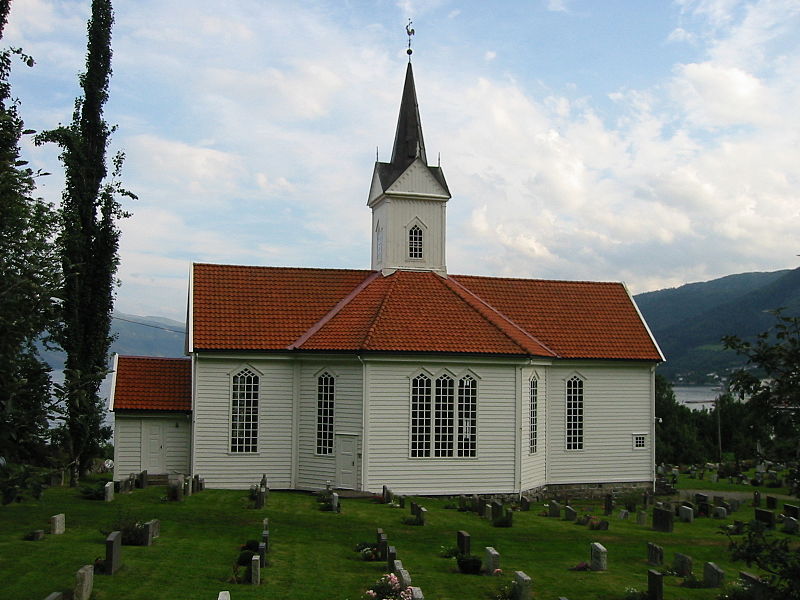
x=274 y=308
x=151 y=383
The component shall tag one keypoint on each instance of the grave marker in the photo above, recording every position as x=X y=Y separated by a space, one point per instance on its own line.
x=608 y=504
x=335 y=502
x=55 y=596
x=655 y=554
x=790 y=525
x=641 y=518
x=255 y=570
x=766 y=516
x=756 y=498
x=262 y=554
x=84 y=581
x=523 y=587
x=663 y=520
x=686 y=514
x=57 y=524
x=772 y=503
x=720 y=512
x=404 y=577
x=598 y=557
x=383 y=545
x=682 y=564
x=416 y=594
x=791 y=510
x=113 y=553
x=421 y=515
x=391 y=556
x=491 y=560
x=554 y=509
x=713 y=576
x=655 y=585
x=624 y=514
x=109 y=491
x=570 y=514
x=463 y=542
x=143 y=479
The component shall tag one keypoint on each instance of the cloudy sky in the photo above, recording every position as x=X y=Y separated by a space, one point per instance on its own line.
x=647 y=141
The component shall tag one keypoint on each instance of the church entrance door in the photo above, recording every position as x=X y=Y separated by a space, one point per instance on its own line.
x=154 y=447
x=346 y=461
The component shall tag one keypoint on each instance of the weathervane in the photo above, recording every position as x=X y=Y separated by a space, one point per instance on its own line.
x=409 y=32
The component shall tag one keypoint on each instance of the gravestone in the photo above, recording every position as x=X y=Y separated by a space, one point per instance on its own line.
x=391 y=556
x=655 y=554
x=525 y=503
x=570 y=514
x=175 y=491
x=704 y=509
x=791 y=510
x=756 y=498
x=766 y=516
x=396 y=566
x=487 y=512
x=187 y=486
x=718 y=500
x=57 y=524
x=224 y=595
x=84 y=581
x=727 y=506
x=686 y=514
x=195 y=484
x=720 y=512
x=383 y=545
x=143 y=479
x=261 y=497
x=713 y=576
x=753 y=584
x=262 y=554
x=55 y=596
x=698 y=498
x=414 y=508
x=655 y=585
x=790 y=525
x=772 y=503
x=109 y=491
x=641 y=518
x=602 y=526
x=422 y=514
x=37 y=535
x=152 y=531
x=663 y=520
x=491 y=560
x=497 y=509
x=624 y=514
x=608 y=504
x=335 y=502
x=554 y=509
x=682 y=565
x=598 y=557
x=463 y=542
x=404 y=578
x=416 y=594
x=738 y=527
x=477 y=505
x=523 y=587
x=255 y=570
x=113 y=553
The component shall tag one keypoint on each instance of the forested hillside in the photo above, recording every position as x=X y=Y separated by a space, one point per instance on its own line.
x=689 y=321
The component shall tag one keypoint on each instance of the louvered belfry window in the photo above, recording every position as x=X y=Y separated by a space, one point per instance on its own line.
x=415 y=242
x=244 y=411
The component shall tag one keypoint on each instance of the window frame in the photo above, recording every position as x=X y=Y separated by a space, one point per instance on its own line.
x=643 y=436
x=243 y=433
x=443 y=416
x=326 y=415
x=415 y=240
x=533 y=415
x=574 y=413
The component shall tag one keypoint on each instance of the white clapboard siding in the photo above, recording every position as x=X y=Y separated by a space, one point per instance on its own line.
x=533 y=465
x=618 y=402
x=314 y=469
x=178 y=442
x=212 y=406
x=388 y=462
x=127 y=445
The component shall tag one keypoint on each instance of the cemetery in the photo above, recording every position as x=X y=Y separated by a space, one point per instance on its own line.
x=264 y=543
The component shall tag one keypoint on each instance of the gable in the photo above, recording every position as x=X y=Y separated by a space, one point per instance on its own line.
x=417 y=179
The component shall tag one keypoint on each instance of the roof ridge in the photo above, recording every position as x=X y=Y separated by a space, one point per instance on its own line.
x=333 y=312
x=379 y=312
x=491 y=311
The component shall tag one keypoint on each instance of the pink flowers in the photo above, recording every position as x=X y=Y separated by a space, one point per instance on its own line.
x=497 y=572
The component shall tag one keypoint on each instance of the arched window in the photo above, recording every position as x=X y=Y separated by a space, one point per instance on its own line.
x=574 y=413
x=415 y=242
x=325 y=408
x=534 y=414
x=244 y=411
x=420 y=416
x=443 y=425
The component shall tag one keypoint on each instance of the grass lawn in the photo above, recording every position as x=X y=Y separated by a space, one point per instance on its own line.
x=312 y=551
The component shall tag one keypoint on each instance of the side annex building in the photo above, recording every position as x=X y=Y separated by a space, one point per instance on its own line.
x=401 y=375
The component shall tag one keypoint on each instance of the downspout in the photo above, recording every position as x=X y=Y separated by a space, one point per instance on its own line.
x=520 y=435
x=364 y=428
x=653 y=427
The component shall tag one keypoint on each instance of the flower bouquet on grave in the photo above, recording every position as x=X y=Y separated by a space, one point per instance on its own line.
x=387 y=588
x=368 y=551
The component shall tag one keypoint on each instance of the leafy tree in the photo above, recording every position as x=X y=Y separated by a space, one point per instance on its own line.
x=678 y=429
x=771 y=383
x=772 y=555
x=88 y=243
x=29 y=271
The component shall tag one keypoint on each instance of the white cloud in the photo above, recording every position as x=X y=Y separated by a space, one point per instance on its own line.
x=557 y=5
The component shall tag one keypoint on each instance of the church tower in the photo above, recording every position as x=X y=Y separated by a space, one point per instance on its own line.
x=408 y=199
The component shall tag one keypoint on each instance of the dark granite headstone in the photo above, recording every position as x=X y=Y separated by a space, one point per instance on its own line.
x=756 y=498
x=391 y=556
x=655 y=554
x=682 y=565
x=463 y=542
x=766 y=516
x=663 y=519
x=772 y=503
x=791 y=510
x=113 y=553
x=608 y=504
x=655 y=585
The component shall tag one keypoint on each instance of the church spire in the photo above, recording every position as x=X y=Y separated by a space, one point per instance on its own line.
x=408 y=141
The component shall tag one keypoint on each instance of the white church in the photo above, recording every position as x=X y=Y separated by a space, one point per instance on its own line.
x=402 y=375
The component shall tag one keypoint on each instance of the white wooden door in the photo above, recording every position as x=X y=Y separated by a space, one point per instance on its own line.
x=154 y=452
x=346 y=461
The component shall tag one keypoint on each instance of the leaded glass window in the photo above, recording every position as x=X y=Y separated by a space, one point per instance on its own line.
x=244 y=411
x=575 y=413
x=325 y=413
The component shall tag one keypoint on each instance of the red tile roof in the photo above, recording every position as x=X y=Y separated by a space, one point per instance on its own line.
x=268 y=308
x=149 y=383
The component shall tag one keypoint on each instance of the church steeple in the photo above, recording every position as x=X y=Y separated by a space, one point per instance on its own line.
x=408 y=141
x=408 y=198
